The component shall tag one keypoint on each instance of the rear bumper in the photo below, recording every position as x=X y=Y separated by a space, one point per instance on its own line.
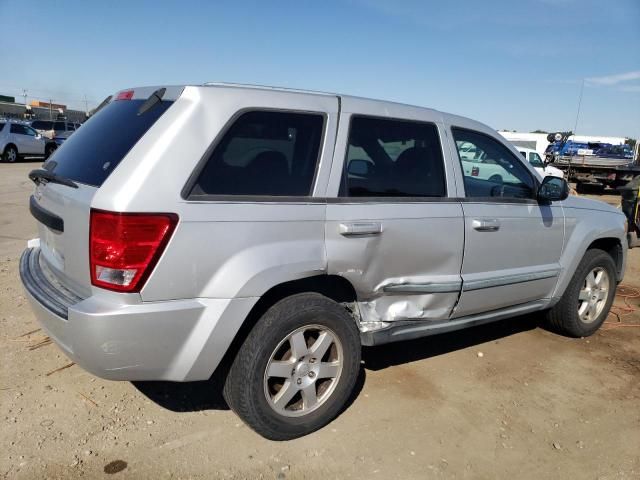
x=177 y=340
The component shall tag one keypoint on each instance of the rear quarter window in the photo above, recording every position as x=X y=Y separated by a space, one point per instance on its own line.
x=95 y=150
x=264 y=153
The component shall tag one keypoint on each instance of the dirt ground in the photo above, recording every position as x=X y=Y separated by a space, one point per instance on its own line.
x=533 y=405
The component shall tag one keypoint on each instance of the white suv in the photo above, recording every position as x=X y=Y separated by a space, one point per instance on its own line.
x=536 y=162
x=20 y=140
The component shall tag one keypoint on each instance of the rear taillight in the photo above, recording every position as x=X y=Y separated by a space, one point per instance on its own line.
x=475 y=171
x=125 y=247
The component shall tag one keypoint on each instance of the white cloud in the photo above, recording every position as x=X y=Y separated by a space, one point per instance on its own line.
x=630 y=88
x=609 y=80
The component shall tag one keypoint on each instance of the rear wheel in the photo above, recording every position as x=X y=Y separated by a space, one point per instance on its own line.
x=296 y=369
x=587 y=300
x=10 y=154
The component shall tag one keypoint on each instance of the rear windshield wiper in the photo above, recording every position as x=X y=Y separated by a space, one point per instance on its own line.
x=40 y=175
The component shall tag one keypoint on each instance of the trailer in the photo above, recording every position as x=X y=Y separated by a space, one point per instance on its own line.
x=597 y=171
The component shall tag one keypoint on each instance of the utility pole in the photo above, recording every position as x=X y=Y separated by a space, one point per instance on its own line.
x=86 y=104
x=50 y=107
x=24 y=94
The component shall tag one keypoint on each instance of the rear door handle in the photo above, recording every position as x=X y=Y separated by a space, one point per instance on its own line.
x=486 y=224
x=353 y=229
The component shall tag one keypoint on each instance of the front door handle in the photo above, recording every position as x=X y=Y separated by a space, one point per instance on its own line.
x=486 y=224
x=353 y=229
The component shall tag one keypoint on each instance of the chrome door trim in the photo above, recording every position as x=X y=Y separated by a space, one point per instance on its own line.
x=431 y=287
x=508 y=280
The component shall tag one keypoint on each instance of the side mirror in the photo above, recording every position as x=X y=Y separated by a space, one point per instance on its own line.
x=553 y=189
x=359 y=168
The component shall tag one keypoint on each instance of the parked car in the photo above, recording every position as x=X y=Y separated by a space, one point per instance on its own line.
x=267 y=234
x=55 y=128
x=536 y=162
x=17 y=139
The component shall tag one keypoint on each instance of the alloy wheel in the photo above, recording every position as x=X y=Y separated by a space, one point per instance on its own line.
x=593 y=295
x=303 y=371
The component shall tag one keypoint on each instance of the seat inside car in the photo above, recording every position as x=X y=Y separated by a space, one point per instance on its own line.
x=420 y=171
x=267 y=173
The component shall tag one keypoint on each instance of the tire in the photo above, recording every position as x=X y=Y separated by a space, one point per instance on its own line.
x=49 y=149
x=10 y=154
x=564 y=317
x=496 y=178
x=252 y=393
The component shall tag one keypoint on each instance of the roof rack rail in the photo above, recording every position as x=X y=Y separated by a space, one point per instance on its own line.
x=265 y=87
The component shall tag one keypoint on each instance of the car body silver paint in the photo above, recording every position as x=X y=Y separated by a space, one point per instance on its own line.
x=226 y=253
x=587 y=221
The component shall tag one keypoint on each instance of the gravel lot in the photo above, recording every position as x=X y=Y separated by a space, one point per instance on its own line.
x=507 y=400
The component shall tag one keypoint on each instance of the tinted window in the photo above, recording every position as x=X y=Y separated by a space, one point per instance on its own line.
x=70 y=126
x=41 y=125
x=264 y=153
x=90 y=155
x=393 y=158
x=489 y=167
x=58 y=126
x=18 y=129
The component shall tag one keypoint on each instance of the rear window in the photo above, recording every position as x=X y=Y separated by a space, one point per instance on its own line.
x=59 y=126
x=41 y=125
x=264 y=153
x=95 y=150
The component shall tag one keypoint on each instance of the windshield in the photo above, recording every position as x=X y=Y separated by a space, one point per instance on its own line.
x=95 y=150
x=535 y=160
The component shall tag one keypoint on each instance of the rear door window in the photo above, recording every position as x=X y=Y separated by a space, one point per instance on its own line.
x=94 y=151
x=393 y=158
x=264 y=153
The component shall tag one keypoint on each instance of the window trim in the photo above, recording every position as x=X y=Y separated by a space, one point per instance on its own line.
x=380 y=199
x=187 y=190
x=534 y=180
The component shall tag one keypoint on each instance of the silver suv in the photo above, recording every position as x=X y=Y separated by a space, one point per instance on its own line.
x=268 y=234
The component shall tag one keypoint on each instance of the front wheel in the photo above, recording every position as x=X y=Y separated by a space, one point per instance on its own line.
x=297 y=368
x=587 y=300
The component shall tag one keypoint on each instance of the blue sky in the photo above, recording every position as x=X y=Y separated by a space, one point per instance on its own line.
x=511 y=64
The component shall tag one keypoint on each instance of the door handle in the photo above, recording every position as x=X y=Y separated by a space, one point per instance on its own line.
x=353 y=229
x=486 y=224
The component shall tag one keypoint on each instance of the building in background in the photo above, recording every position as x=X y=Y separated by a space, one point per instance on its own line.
x=38 y=109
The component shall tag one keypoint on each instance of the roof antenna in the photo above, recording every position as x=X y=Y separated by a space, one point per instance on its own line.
x=575 y=127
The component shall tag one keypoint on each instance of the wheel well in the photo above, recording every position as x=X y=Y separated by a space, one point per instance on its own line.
x=613 y=247
x=334 y=287
x=10 y=145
